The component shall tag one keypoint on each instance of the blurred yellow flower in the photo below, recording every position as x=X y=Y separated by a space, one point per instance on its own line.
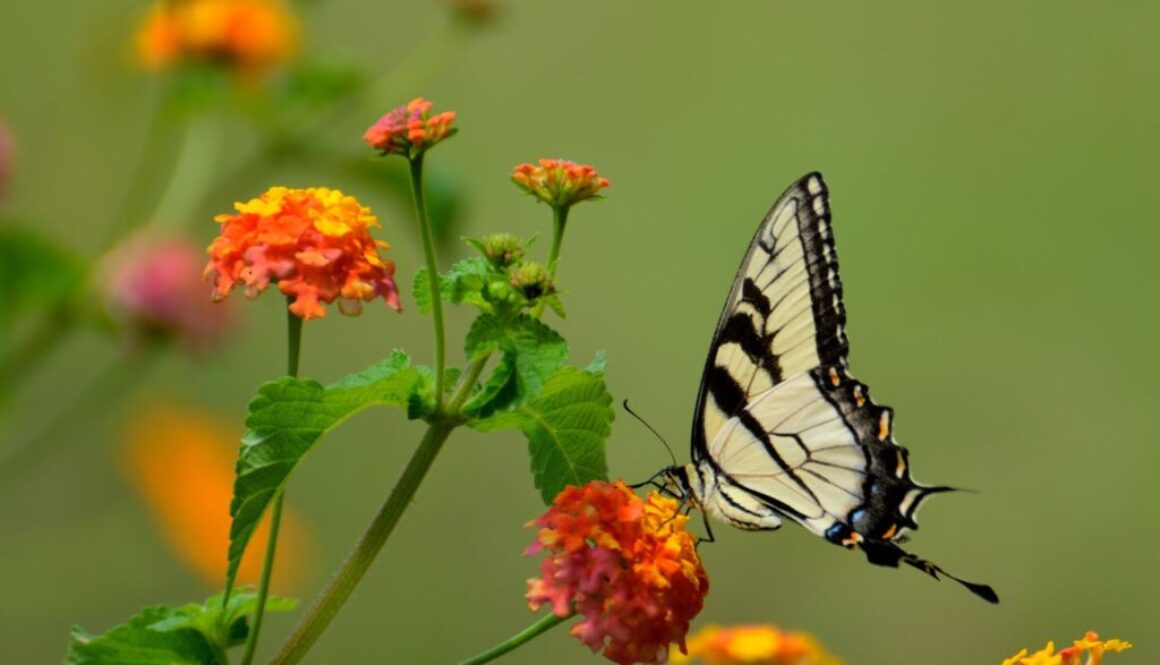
x=181 y=461
x=251 y=35
x=1090 y=645
x=755 y=645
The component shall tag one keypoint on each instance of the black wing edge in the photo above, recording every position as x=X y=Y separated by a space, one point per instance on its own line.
x=885 y=553
x=821 y=258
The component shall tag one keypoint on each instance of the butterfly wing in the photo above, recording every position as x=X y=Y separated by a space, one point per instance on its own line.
x=784 y=315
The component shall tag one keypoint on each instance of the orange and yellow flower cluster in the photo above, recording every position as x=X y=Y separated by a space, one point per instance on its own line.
x=756 y=645
x=625 y=564
x=315 y=243
x=410 y=130
x=251 y=35
x=1090 y=645
x=559 y=182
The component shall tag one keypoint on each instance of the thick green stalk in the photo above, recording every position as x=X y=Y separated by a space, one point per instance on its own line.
x=432 y=274
x=518 y=640
x=559 y=221
x=350 y=574
x=293 y=349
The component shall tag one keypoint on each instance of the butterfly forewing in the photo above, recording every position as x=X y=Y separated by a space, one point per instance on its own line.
x=784 y=315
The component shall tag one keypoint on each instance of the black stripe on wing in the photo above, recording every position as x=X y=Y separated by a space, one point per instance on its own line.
x=790 y=271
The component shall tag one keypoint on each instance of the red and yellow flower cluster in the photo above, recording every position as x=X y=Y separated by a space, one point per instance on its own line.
x=559 y=182
x=248 y=34
x=625 y=564
x=410 y=130
x=315 y=243
x=756 y=645
x=1090 y=645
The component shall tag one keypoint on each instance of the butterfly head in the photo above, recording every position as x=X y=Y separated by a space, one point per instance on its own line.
x=682 y=483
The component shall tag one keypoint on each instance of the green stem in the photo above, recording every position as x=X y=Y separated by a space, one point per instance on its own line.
x=432 y=274
x=518 y=640
x=193 y=173
x=559 y=221
x=293 y=348
x=338 y=591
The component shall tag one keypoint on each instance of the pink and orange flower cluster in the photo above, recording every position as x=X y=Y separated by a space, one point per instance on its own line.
x=1090 y=646
x=410 y=130
x=559 y=182
x=251 y=35
x=625 y=564
x=315 y=243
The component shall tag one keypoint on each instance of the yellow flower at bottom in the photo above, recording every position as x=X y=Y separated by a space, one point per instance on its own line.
x=755 y=645
x=1090 y=645
x=181 y=461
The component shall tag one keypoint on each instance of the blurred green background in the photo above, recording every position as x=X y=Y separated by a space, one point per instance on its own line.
x=993 y=168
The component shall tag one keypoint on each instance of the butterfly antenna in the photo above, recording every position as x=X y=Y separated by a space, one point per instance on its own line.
x=657 y=434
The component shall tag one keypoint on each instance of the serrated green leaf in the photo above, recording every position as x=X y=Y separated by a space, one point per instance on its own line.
x=566 y=426
x=498 y=391
x=286 y=419
x=597 y=365
x=464 y=282
x=531 y=353
x=195 y=634
x=421 y=403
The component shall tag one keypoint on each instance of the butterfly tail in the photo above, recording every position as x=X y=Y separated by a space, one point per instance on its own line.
x=886 y=553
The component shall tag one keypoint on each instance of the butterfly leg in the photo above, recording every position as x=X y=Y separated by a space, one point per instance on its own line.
x=708 y=531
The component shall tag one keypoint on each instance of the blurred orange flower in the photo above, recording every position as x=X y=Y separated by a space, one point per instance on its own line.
x=559 y=182
x=1090 y=645
x=315 y=243
x=626 y=564
x=755 y=645
x=410 y=130
x=181 y=461
x=248 y=34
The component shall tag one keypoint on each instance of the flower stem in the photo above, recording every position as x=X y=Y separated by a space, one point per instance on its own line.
x=518 y=640
x=559 y=221
x=293 y=348
x=432 y=274
x=338 y=591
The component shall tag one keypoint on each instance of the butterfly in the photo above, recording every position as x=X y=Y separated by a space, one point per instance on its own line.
x=782 y=430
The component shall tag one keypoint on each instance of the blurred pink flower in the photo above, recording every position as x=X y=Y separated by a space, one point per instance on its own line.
x=153 y=288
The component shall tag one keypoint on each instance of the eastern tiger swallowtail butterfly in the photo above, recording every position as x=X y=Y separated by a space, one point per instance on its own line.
x=782 y=430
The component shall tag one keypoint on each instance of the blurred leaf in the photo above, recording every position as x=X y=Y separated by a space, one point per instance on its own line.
x=287 y=418
x=159 y=635
x=532 y=352
x=320 y=84
x=35 y=272
x=463 y=282
x=444 y=201
x=566 y=426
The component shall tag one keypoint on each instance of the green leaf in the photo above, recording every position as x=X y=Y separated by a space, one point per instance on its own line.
x=566 y=426
x=286 y=419
x=421 y=403
x=194 y=634
x=464 y=282
x=531 y=353
x=35 y=272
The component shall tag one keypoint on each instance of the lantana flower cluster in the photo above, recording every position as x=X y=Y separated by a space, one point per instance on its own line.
x=756 y=645
x=559 y=182
x=248 y=34
x=315 y=243
x=410 y=130
x=1090 y=646
x=625 y=564
x=153 y=288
